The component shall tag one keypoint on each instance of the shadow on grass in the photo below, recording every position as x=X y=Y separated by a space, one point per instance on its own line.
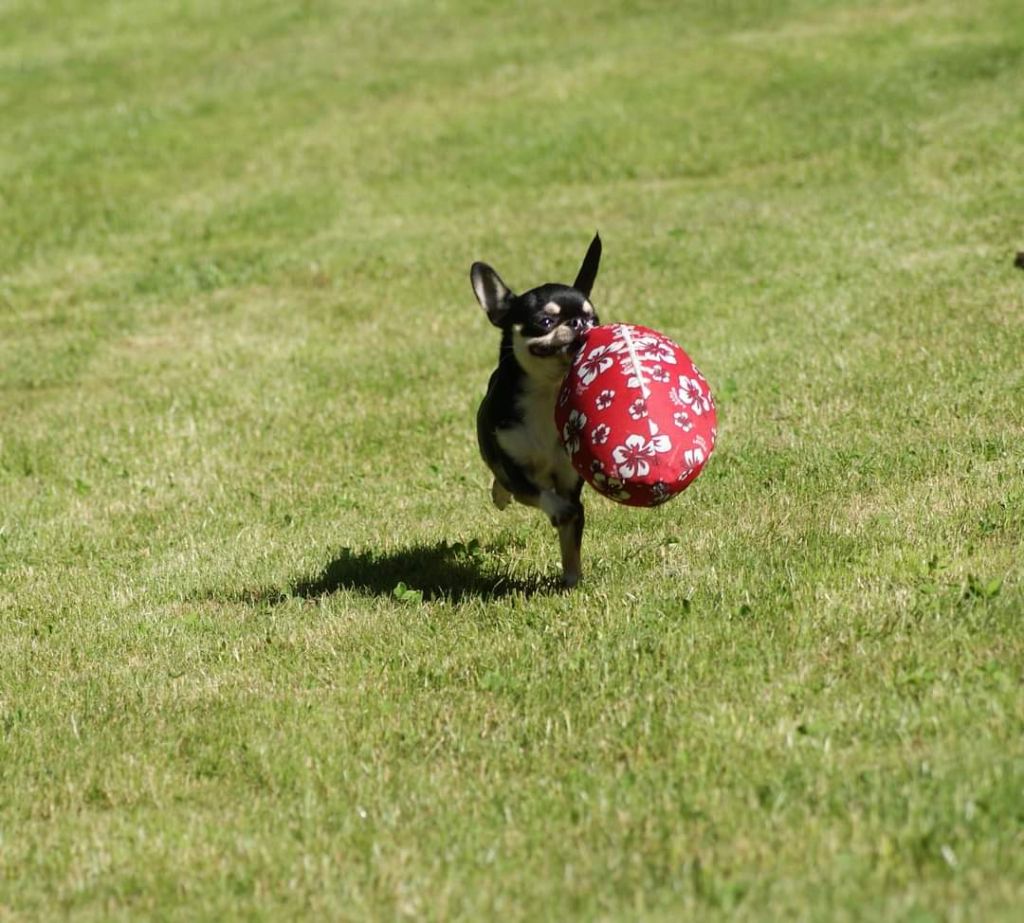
x=453 y=572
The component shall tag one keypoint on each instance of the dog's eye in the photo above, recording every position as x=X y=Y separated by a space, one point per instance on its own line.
x=545 y=322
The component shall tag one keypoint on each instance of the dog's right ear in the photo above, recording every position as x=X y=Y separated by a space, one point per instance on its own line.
x=495 y=296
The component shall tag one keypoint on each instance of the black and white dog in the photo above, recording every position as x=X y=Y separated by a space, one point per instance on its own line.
x=541 y=331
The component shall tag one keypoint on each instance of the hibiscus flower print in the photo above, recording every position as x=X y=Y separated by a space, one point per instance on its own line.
x=659 y=441
x=658 y=373
x=660 y=493
x=604 y=399
x=653 y=349
x=638 y=409
x=572 y=430
x=693 y=460
x=682 y=419
x=693 y=457
x=637 y=379
x=691 y=394
x=633 y=457
x=594 y=363
x=610 y=487
x=600 y=433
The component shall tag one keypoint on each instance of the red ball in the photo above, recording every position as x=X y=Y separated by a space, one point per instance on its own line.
x=635 y=415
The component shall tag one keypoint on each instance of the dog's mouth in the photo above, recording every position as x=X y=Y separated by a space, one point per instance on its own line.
x=562 y=350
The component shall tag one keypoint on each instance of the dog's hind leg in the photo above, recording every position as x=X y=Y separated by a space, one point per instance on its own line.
x=500 y=495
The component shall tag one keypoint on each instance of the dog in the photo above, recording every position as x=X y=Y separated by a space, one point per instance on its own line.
x=541 y=332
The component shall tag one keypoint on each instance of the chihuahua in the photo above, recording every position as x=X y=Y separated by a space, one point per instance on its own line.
x=541 y=332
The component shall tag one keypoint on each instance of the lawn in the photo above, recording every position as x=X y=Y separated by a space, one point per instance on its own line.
x=266 y=649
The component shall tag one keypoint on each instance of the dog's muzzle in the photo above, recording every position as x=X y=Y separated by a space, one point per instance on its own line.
x=564 y=347
x=567 y=350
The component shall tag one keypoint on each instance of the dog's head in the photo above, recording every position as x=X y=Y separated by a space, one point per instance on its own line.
x=547 y=325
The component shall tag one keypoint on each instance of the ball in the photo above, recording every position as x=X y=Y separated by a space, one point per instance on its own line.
x=635 y=415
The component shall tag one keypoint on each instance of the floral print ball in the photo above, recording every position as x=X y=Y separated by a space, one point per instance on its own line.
x=635 y=415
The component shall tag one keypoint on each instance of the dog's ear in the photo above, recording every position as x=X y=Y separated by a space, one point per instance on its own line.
x=495 y=296
x=588 y=271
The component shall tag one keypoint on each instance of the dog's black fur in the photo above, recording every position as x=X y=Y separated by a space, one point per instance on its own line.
x=541 y=331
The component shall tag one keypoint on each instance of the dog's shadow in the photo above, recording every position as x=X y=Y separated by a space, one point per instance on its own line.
x=448 y=571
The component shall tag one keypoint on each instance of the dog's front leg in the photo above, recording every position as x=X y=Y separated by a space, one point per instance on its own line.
x=570 y=540
x=567 y=516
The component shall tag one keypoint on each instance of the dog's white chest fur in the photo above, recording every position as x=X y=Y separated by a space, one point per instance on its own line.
x=534 y=444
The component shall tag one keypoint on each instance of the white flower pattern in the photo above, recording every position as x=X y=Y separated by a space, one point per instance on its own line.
x=630 y=457
x=610 y=486
x=655 y=349
x=660 y=492
x=633 y=457
x=694 y=457
x=633 y=380
x=660 y=441
x=572 y=430
x=690 y=393
x=592 y=363
x=682 y=419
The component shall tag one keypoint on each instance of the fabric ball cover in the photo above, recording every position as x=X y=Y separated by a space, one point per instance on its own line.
x=635 y=415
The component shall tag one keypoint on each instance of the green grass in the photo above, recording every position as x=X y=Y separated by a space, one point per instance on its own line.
x=239 y=362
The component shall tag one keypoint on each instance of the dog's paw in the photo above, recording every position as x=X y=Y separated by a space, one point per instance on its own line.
x=500 y=496
x=570 y=579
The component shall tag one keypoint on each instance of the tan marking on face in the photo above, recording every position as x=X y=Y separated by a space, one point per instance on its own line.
x=588 y=309
x=551 y=308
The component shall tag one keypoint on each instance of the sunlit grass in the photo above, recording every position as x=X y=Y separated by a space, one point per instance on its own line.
x=266 y=649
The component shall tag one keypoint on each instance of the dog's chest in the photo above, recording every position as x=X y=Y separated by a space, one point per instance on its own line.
x=534 y=444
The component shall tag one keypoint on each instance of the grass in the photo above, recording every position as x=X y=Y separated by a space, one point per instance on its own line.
x=267 y=652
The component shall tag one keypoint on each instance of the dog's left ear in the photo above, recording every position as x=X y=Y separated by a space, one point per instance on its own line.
x=588 y=271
